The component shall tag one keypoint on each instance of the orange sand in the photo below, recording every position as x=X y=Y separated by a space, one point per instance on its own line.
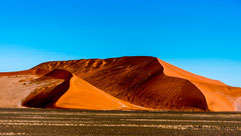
x=130 y=83
x=218 y=95
x=82 y=95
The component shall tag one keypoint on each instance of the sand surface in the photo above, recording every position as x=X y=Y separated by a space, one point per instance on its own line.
x=82 y=95
x=130 y=83
x=219 y=96
x=14 y=89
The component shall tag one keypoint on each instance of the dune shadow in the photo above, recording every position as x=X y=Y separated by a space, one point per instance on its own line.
x=46 y=95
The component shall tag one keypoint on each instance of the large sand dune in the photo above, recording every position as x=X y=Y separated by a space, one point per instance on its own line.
x=129 y=83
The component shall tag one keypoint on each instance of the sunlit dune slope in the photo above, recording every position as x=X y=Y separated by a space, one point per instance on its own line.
x=120 y=83
x=82 y=95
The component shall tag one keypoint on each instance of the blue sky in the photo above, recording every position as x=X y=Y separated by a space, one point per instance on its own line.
x=201 y=36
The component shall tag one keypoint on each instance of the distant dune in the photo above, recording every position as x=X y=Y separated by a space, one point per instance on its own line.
x=126 y=83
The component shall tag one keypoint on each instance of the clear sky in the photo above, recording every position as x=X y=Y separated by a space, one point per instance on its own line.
x=201 y=36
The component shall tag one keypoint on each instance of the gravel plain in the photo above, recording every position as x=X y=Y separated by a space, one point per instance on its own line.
x=57 y=122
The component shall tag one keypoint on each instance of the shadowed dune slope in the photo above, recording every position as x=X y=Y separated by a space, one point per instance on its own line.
x=219 y=96
x=54 y=85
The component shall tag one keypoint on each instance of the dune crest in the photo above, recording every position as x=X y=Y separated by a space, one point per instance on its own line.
x=130 y=83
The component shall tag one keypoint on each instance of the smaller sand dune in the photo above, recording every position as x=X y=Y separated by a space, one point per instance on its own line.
x=61 y=89
x=82 y=95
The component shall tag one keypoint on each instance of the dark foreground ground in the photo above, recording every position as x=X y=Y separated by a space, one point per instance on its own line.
x=81 y=122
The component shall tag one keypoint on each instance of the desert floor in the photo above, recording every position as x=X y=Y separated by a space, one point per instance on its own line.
x=86 y=122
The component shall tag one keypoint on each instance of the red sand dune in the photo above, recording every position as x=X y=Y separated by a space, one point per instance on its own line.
x=129 y=83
